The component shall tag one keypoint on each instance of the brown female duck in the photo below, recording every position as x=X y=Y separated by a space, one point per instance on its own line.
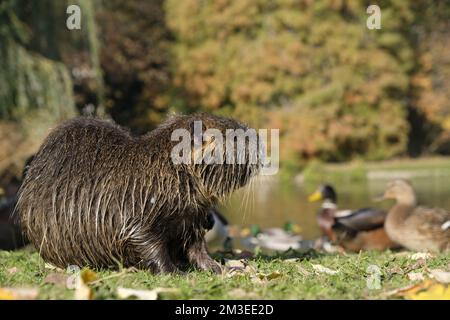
x=354 y=230
x=416 y=228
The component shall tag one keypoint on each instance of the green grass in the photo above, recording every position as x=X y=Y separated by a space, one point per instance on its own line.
x=298 y=278
x=358 y=171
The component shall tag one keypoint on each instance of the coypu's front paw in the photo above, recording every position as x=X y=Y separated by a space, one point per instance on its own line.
x=199 y=257
x=208 y=264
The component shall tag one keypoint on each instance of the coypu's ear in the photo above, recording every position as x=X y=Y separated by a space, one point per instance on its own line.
x=203 y=148
x=206 y=143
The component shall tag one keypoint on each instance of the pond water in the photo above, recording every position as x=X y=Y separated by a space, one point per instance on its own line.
x=270 y=203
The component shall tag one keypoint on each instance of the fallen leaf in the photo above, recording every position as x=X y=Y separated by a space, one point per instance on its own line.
x=269 y=276
x=18 y=293
x=416 y=276
x=234 y=263
x=56 y=278
x=12 y=270
x=273 y=275
x=402 y=291
x=441 y=275
x=421 y=255
x=88 y=276
x=50 y=266
x=436 y=291
x=126 y=293
x=395 y=270
x=242 y=294
x=303 y=271
x=238 y=268
x=402 y=254
x=237 y=293
x=293 y=260
x=82 y=290
x=416 y=265
x=321 y=269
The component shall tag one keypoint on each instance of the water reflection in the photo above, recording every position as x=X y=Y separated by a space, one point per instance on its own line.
x=270 y=203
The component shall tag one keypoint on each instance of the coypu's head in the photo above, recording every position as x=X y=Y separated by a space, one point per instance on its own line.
x=221 y=153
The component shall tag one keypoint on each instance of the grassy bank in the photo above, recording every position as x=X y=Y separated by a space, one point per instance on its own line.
x=310 y=275
x=359 y=170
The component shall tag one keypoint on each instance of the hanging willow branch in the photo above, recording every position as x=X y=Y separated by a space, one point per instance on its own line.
x=29 y=82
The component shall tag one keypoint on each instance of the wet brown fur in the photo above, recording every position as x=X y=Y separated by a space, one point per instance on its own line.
x=95 y=195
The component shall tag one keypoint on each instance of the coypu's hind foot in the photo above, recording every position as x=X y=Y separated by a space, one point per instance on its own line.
x=157 y=259
x=199 y=257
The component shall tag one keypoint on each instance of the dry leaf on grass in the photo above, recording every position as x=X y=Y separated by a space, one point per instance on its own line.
x=237 y=293
x=441 y=275
x=234 y=263
x=416 y=276
x=261 y=278
x=12 y=270
x=242 y=294
x=238 y=268
x=404 y=290
x=321 y=269
x=435 y=291
x=425 y=290
x=82 y=290
x=18 y=293
x=56 y=278
x=269 y=276
x=88 y=276
x=126 y=293
x=49 y=266
x=395 y=270
x=421 y=255
x=303 y=271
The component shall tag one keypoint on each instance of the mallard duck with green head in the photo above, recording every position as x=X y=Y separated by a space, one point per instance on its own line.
x=354 y=230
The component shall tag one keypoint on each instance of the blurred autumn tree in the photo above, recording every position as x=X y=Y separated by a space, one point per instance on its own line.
x=134 y=60
x=312 y=68
x=77 y=49
x=430 y=81
x=38 y=85
x=337 y=90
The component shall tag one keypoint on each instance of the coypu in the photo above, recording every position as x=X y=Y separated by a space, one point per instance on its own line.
x=95 y=195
